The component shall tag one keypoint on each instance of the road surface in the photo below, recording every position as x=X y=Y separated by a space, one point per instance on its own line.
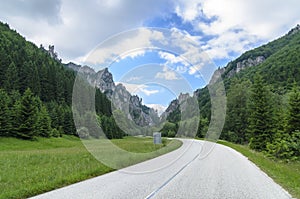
x=198 y=169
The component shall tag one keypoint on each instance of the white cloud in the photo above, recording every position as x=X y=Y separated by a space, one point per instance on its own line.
x=172 y=59
x=195 y=69
x=128 y=44
x=132 y=88
x=181 y=69
x=229 y=42
x=133 y=54
x=265 y=19
x=167 y=74
x=239 y=25
x=139 y=88
x=133 y=79
x=76 y=27
x=147 y=92
x=188 y=10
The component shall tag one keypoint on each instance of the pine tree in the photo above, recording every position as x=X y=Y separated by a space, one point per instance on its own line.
x=260 y=118
x=34 y=81
x=293 y=118
x=69 y=126
x=237 y=115
x=202 y=127
x=11 y=78
x=43 y=123
x=5 y=120
x=27 y=116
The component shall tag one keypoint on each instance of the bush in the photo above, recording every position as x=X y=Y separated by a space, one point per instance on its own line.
x=285 y=146
x=55 y=133
x=171 y=134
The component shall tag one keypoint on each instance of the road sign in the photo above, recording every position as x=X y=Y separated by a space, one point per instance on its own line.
x=157 y=138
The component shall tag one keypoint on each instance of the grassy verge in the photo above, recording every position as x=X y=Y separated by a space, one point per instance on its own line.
x=29 y=168
x=287 y=174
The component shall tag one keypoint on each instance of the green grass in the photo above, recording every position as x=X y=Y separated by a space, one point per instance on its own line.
x=136 y=142
x=287 y=174
x=130 y=150
x=29 y=168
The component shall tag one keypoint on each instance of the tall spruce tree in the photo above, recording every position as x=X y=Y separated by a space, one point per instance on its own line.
x=260 y=115
x=5 y=120
x=293 y=118
x=237 y=114
x=27 y=116
x=11 y=79
x=43 y=123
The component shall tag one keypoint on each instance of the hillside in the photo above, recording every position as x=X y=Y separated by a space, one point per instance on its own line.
x=277 y=61
x=25 y=67
x=122 y=99
x=36 y=92
x=263 y=99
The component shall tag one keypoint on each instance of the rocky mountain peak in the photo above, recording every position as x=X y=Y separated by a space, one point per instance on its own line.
x=233 y=68
x=131 y=105
x=176 y=104
x=105 y=82
x=52 y=53
x=73 y=66
x=294 y=30
x=183 y=97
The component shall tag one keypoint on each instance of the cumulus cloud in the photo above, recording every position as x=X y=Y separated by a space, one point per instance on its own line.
x=261 y=18
x=129 y=44
x=167 y=74
x=76 y=27
x=147 y=91
x=172 y=59
x=139 y=88
x=133 y=79
x=48 y=10
x=239 y=25
x=188 y=10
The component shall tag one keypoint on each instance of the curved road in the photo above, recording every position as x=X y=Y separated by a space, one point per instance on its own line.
x=198 y=169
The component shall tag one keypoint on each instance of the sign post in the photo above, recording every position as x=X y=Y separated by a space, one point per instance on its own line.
x=157 y=138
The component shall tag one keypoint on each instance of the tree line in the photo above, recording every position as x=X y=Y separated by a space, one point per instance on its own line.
x=262 y=101
x=265 y=120
x=36 y=93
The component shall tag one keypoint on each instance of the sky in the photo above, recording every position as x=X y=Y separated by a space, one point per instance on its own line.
x=187 y=41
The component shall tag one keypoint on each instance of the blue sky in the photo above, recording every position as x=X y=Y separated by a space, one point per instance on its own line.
x=158 y=64
x=221 y=30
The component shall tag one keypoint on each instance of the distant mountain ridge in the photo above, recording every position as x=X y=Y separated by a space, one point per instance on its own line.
x=258 y=55
x=122 y=99
x=271 y=60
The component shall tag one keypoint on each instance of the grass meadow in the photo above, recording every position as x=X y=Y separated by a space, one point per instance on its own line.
x=28 y=168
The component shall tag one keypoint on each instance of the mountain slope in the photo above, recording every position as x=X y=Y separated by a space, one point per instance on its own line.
x=122 y=99
x=278 y=64
x=263 y=53
x=36 y=92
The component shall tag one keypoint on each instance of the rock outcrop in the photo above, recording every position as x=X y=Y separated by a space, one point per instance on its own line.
x=233 y=68
x=130 y=105
x=294 y=30
x=178 y=104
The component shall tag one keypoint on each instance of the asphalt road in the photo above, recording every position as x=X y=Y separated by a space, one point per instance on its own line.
x=196 y=170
